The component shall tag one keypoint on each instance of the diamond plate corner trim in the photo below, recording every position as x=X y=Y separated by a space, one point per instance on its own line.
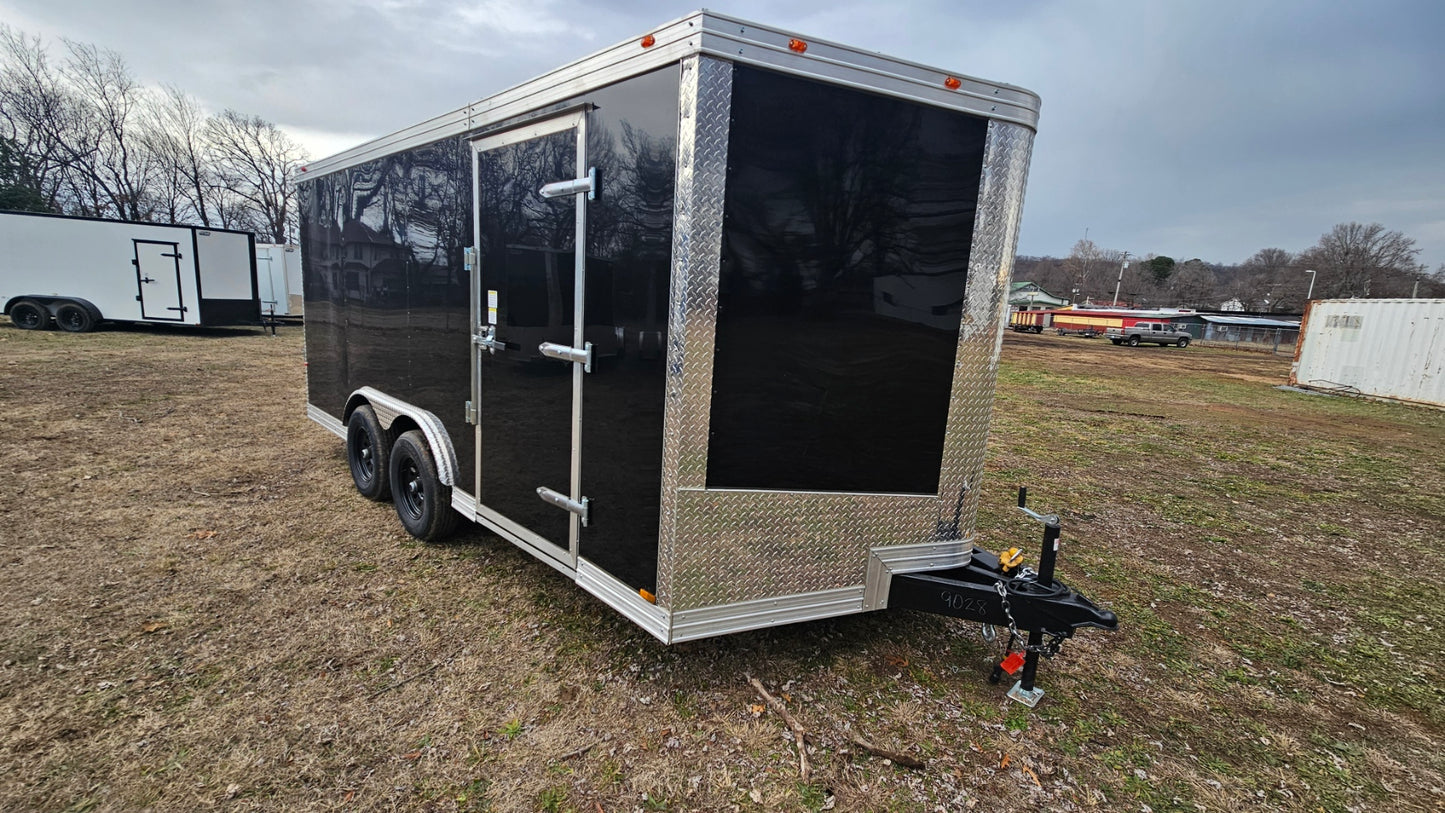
x=990 y=267
x=706 y=108
x=884 y=562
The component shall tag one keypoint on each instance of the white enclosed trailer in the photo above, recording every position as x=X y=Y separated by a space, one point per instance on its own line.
x=1380 y=348
x=75 y=272
x=278 y=275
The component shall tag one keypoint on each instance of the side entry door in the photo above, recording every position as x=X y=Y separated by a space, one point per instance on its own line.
x=158 y=280
x=529 y=356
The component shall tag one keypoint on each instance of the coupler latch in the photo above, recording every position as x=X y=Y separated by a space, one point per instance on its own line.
x=1001 y=592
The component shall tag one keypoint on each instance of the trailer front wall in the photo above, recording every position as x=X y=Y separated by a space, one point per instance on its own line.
x=752 y=527
x=230 y=292
x=386 y=297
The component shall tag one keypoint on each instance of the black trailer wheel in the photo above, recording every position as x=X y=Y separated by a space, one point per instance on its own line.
x=28 y=315
x=423 y=502
x=1133 y=341
x=1117 y=341
x=1183 y=341
x=74 y=318
x=368 y=452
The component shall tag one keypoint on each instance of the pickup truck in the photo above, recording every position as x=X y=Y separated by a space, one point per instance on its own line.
x=1158 y=333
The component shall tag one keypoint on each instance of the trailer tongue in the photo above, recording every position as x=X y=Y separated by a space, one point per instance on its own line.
x=999 y=591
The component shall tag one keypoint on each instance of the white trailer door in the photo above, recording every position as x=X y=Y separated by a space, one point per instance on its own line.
x=158 y=280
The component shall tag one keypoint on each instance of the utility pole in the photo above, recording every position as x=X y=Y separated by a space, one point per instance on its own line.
x=1122 y=266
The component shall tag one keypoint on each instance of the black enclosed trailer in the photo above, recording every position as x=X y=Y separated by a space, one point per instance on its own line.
x=709 y=321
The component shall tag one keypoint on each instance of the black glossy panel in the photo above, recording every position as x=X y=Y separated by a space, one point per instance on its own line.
x=230 y=312
x=527 y=253
x=848 y=224
x=632 y=140
x=387 y=301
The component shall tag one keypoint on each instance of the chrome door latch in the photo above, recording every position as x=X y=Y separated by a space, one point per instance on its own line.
x=488 y=339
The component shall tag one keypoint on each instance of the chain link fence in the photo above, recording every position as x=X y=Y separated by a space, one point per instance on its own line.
x=1279 y=340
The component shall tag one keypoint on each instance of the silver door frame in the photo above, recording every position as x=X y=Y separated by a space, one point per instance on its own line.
x=533 y=542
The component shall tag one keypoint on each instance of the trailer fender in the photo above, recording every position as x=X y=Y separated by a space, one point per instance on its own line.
x=389 y=409
x=53 y=303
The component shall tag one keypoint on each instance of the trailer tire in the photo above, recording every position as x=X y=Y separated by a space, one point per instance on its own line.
x=1183 y=341
x=368 y=453
x=30 y=315
x=1117 y=342
x=423 y=503
x=1133 y=341
x=74 y=318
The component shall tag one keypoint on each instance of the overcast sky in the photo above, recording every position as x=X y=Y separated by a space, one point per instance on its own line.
x=1192 y=128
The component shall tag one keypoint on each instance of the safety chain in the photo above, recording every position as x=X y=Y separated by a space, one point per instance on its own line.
x=1048 y=649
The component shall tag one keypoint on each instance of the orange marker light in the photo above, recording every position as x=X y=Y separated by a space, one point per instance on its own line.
x=797 y=46
x=649 y=41
x=647 y=595
x=952 y=83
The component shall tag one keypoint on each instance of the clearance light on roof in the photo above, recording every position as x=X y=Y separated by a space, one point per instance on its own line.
x=797 y=46
x=649 y=41
x=952 y=83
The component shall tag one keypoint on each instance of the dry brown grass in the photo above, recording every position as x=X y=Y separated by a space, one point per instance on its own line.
x=200 y=613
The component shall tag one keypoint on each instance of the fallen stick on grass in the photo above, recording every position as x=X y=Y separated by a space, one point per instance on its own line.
x=576 y=752
x=400 y=683
x=898 y=759
x=798 y=733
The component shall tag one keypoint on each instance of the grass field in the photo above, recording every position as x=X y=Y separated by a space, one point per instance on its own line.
x=199 y=612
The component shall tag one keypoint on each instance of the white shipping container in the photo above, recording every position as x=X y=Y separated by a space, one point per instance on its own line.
x=1383 y=348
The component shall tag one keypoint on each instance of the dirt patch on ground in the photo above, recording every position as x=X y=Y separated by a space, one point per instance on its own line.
x=200 y=612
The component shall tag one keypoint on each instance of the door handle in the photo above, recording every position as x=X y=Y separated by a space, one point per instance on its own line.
x=146 y=279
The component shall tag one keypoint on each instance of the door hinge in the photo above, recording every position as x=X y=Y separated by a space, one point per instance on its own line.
x=582 y=509
x=471 y=413
x=469 y=256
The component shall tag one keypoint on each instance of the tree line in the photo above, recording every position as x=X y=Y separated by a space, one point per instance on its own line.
x=79 y=135
x=1350 y=260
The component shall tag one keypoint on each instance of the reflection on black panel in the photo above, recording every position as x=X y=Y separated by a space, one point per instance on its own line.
x=381 y=247
x=632 y=140
x=848 y=223
x=527 y=253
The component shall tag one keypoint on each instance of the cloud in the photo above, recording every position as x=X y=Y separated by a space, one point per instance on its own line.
x=1207 y=128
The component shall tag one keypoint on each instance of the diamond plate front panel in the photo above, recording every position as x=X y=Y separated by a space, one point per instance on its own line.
x=990 y=267
x=706 y=102
x=741 y=545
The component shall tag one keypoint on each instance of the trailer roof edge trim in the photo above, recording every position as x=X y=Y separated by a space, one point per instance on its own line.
x=720 y=36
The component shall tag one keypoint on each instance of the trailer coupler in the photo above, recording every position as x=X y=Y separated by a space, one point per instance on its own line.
x=1000 y=592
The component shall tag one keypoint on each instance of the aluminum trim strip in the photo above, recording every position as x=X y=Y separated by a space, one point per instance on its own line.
x=624 y=599
x=705 y=109
x=1007 y=150
x=884 y=562
x=612 y=64
x=715 y=35
x=320 y=416
x=464 y=503
x=706 y=622
x=436 y=434
x=525 y=538
x=532 y=129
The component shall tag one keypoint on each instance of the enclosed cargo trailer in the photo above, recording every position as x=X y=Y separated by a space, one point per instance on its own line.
x=75 y=272
x=708 y=321
x=1379 y=348
x=278 y=275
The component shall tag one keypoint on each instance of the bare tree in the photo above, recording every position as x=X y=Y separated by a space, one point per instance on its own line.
x=257 y=163
x=174 y=130
x=1194 y=286
x=1352 y=258
x=1267 y=281
x=1082 y=266
x=38 y=113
